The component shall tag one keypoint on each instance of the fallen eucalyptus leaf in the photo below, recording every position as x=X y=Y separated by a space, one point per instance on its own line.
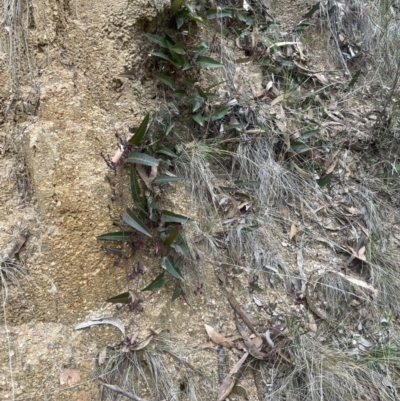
x=102 y=320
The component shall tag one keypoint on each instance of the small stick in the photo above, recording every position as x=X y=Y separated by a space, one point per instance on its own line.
x=119 y=390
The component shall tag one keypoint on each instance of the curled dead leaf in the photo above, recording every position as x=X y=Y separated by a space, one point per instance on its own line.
x=293 y=232
x=217 y=338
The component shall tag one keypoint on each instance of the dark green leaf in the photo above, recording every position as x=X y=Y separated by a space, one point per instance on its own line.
x=124 y=298
x=313 y=9
x=186 y=65
x=214 y=85
x=166 y=151
x=165 y=80
x=207 y=62
x=180 y=18
x=170 y=239
x=354 y=79
x=174 y=107
x=163 y=179
x=178 y=48
x=240 y=183
x=141 y=158
x=196 y=102
x=135 y=222
x=189 y=82
x=309 y=134
x=180 y=246
x=169 y=217
x=168 y=264
x=117 y=236
x=176 y=5
x=199 y=119
x=220 y=113
x=201 y=92
x=255 y=287
x=140 y=132
x=157 y=283
x=213 y=13
x=299 y=146
x=200 y=50
x=177 y=293
x=247 y=229
x=135 y=190
x=179 y=93
x=325 y=180
x=153 y=210
x=128 y=75
x=162 y=55
x=210 y=95
x=157 y=39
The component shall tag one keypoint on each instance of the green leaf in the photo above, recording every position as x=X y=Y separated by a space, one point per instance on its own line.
x=309 y=134
x=168 y=264
x=157 y=283
x=207 y=62
x=220 y=113
x=117 y=236
x=200 y=50
x=135 y=190
x=176 y=5
x=255 y=287
x=213 y=13
x=189 y=82
x=141 y=158
x=199 y=119
x=179 y=93
x=162 y=55
x=248 y=229
x=165 y=80
x=135 y=222
x=180 y=246
x=299 y=146
x=215 y=85
x=240 y=183
x=354 y=79
x=157 y=39
x=153 y=210
x=169 y=217
x=174 y=107
x=313 y=9
x=178 y=48
x=180 y=18
x=170 y=239
x=166 y=151
x=124 y=298
x=195 y=102
x=177 y=293
x=163 y=179
x=140 y=132
x=325 y=180
x=128 y=75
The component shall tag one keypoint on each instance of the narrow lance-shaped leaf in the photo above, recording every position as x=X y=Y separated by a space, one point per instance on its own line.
x=220 y=113
x=157 y=39
x=124 y=298
x=141 y=131
x=299 y=146
x=135 y=222
x=325 y=180
x=166 y=151
x=313 y=9
x=207 y=62
x=141 y=158
x=180 y=246
x=169 y=265
x=157 y=283
x=170 y=239
x=135 y=190
x=177 y=293
x=170 y=217
x=117 y=236
x=163 y=179
x=176 y=5
x=165 y=80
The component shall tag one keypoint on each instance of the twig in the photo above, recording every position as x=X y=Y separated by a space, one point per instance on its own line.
x=119 y=390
